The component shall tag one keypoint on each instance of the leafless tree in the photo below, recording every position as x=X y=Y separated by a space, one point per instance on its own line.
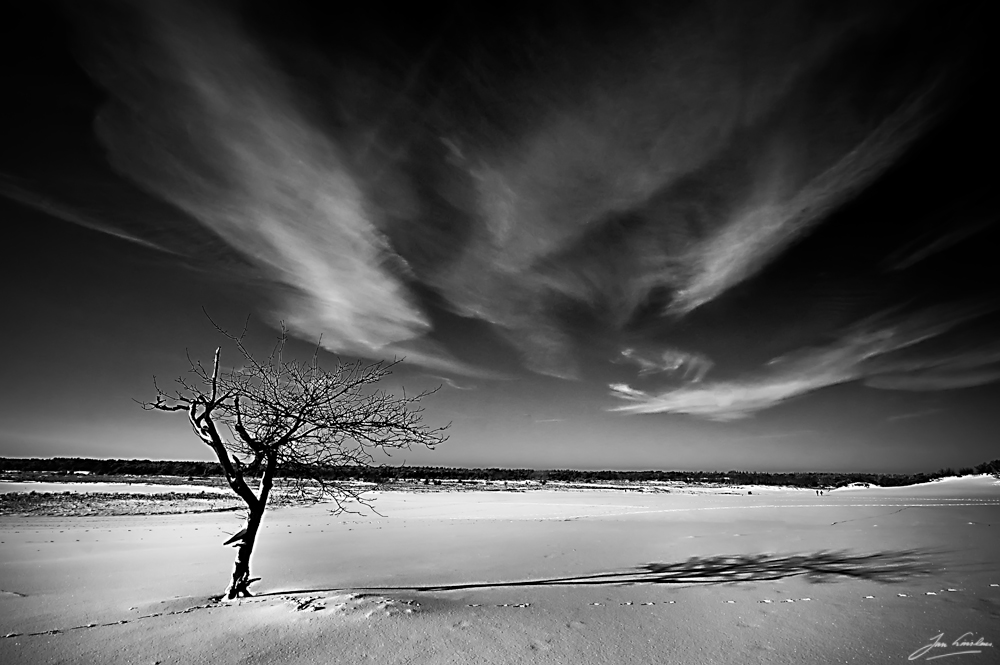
x=294 y=418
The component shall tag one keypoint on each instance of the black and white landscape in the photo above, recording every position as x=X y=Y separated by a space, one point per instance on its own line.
x=755 y=236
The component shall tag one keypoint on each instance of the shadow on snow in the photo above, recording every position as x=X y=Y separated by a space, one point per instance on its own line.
x=823 y=566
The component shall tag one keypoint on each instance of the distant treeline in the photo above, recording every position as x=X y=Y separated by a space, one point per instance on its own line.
x=381 y=474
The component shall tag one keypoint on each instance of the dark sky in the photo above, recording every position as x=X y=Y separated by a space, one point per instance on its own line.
x=730 y=234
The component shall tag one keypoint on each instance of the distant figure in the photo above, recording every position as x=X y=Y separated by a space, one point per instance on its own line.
x=748 y=493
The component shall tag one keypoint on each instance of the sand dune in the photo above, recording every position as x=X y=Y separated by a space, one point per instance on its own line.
x=602 y=576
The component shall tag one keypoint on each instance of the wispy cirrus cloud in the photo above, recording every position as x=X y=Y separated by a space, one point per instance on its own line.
x=912 y=415
x=203 y=120
x=782 y=207
x=641 y=179
x=732 y=400
x=966 y=219
x=687 y=365
x=874 y=351
x=933 y=380
x=673 y=179
x=19 y=192
x=451 y=383
x=952 y=369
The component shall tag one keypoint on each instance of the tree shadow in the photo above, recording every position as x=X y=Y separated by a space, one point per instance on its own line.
x=819 y=567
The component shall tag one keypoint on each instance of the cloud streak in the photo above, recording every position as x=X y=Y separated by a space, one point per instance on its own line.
x=25 y=196
x=780 y=210
x=687 y=365
x=873 y=351
x=205 y=123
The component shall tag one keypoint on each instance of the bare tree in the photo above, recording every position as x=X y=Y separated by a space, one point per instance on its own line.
x=294 y=418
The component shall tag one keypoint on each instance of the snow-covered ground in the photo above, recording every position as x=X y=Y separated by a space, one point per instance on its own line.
x=549 y=576
x=981 y=484
x=117 y=488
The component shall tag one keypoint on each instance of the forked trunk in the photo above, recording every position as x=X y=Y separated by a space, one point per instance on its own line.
x=239 y=588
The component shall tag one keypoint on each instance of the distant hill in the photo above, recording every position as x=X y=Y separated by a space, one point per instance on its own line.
x=119 y=467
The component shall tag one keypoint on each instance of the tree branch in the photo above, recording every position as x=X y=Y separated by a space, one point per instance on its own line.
x=296 y=418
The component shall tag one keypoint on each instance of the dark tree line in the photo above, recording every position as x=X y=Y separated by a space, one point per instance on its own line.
x=381 y=474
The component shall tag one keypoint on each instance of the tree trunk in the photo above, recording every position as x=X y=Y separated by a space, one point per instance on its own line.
x=241 y=571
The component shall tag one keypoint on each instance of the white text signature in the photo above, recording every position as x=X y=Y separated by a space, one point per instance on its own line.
x=964 y=642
